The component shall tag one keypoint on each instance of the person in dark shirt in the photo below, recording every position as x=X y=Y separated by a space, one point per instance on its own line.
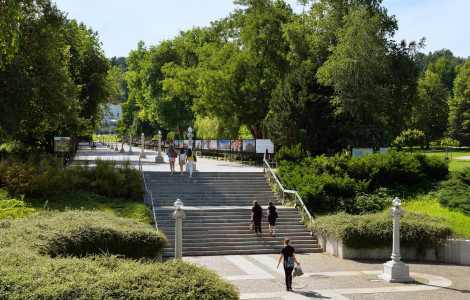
x=288 y=254
x=256 y=216
x=272 y=216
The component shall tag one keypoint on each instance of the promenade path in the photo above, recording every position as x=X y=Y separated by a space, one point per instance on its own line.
x=326 y=277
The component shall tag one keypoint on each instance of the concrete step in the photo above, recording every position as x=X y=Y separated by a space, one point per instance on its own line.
x=170 y=253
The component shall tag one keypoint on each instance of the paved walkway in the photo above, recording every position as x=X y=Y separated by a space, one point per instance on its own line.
x=326 y=277
x=148 y=164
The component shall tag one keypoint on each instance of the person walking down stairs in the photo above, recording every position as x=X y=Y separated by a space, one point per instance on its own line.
x=256 y=216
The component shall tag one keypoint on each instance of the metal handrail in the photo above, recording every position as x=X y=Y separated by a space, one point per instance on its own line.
x=285 y=191
x=147 y=191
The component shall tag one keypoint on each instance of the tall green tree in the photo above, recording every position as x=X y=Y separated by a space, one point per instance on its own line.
x=459 y=119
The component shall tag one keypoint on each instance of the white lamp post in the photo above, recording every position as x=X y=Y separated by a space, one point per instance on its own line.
x=159 y=158
x=142 y=154
x=178 y=215
x=395 y=270
x=111 y=140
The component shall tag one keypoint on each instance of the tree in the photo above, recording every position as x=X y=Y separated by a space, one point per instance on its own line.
x=433 y=107
x=459 y=118
x=362 y=69
x=237 y=76
x=410 y=138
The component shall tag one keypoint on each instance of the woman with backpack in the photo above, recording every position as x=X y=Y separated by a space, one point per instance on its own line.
x=272 y=216
x=288 y=254
x=172 y=158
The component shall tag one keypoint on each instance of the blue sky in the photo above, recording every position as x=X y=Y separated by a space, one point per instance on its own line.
x=122 y=23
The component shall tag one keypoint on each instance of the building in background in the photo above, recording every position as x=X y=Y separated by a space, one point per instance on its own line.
x=111 y=115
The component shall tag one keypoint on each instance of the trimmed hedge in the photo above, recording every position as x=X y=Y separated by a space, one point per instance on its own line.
x=82 y=233
x=25 y=273
x=376 y=230
x=357 y=185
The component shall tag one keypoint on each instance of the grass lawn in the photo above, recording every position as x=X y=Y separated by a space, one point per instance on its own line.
x=457 y=221
x=15 y=207
x=455 y=163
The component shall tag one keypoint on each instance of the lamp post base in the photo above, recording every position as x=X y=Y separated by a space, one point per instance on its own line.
x=142 y=155
x=159 y=159
x=396 y=271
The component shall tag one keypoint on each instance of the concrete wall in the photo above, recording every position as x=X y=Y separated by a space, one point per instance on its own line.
x=455 y=252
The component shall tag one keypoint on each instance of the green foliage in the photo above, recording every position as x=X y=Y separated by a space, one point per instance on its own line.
x=84 y=233
x=410 y=138
x=27 y=274
x=457 y=221
x=294 y=154
x=417 y=230
x=357 y=185
x=455 y=192
x=448 y=142
x=46 y=177
x=459 y=119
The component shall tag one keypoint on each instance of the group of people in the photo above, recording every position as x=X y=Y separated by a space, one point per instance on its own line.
x=257 y=213
x=288 y=252
x=183 y=158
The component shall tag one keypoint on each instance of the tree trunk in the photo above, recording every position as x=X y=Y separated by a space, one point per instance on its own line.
x=256 y=131
x=181 y=132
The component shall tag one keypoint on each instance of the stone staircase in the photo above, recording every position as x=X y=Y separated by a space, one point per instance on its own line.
x=218 y=209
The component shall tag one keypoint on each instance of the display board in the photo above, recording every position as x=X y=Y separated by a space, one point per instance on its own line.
x=262 y=145
x=62 y=144
x=383 y=150
x=205 y=144
x=223 y=145
x=249 y=145
x=198 y=144
x=358 y=152
x=236 y=145
x=213 y=145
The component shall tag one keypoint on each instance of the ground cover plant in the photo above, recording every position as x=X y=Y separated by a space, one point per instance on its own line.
x=357 y=185
x=17 y=206
x=57 y=255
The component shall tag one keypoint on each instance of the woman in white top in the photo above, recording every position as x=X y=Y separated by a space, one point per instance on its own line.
x=181 y=157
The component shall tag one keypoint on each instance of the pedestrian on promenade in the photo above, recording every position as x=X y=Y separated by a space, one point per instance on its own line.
x=272 y=216
x=181 y=158
x=256 y=216
x=172 y=158
x=288 y=254
x=266 y=158
x=191 y=160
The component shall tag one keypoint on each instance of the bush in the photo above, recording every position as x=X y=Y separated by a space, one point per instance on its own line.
x=339 y=183
x=455 y=192
x=376 y=230
x=26 y=274
x=45 y=176
x=82 y=233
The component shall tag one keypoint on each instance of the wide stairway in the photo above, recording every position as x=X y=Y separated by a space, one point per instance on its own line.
x=218 y=209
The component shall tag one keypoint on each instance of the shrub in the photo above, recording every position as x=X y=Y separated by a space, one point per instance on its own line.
x=376 y=230
x=340 y=183
x=81 y=233
x=45 y=176
x=26 y=274
x=455 y=192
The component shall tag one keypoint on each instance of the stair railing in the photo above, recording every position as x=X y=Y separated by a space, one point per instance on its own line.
x=304 y=210
x=148 y=194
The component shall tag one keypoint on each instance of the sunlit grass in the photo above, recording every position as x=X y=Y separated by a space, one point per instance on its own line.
x=459 y=222
x=455 y=162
